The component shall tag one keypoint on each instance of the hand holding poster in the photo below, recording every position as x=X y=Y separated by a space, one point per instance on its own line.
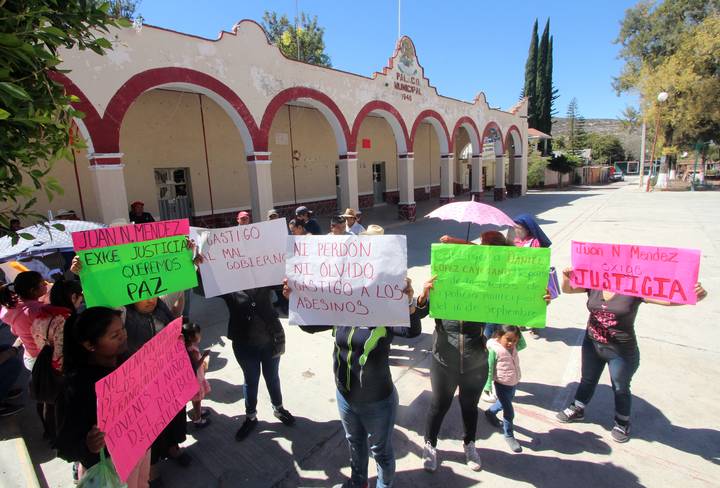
x=496 y=284
x=243 y=257
x=122 y=265
x=348 y=280
x=138 y=399
x=662 y=273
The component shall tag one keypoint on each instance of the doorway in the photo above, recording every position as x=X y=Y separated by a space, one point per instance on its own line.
x=174 y=194
x=379 y=182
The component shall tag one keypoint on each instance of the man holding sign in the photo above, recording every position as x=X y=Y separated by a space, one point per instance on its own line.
x=617 y=279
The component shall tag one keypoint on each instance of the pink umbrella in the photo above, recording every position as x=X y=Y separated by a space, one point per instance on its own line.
x=472 y=212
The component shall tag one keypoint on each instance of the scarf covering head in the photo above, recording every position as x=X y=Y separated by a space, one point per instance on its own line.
x=528 y=221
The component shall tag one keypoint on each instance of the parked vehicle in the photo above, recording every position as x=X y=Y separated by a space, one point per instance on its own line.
x=617 y=176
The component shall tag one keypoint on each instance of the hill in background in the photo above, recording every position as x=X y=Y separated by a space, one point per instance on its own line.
x=630 y=139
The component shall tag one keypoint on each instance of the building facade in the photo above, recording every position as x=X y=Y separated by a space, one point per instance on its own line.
x=203 y=128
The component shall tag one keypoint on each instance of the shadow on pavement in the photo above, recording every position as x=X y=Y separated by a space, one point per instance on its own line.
x=648 y=422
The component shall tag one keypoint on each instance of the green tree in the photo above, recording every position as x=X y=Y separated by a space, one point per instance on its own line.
x=531 y=77
x=543 y=89
x=563 y=164
x=122 y=9
x=551 y=96
x=35 y=112
x=606 y=148
x=576 y=137
x=304 y=44
x=536 y=168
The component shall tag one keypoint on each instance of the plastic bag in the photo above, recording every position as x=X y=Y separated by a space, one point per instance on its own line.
x=102 y=475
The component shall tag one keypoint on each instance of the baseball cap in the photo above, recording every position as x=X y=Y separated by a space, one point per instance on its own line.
x=302 y=209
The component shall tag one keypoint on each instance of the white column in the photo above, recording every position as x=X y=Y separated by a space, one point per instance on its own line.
x=261 y=191
x=447 y=182
x=523 y=161
x=476 y=183
x=348 y=181
x=406 y=186
x=108 y=179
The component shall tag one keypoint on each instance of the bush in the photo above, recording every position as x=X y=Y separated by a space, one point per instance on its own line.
x=536 y=169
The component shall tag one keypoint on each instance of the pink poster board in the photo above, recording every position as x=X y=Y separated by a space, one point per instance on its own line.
x=662 y=273
x=128 y=234
x=138 y=399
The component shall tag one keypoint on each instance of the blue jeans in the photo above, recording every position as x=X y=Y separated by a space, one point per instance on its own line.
x=371 y=423
x=252 y=361
x=505 y=395
x=622 y=364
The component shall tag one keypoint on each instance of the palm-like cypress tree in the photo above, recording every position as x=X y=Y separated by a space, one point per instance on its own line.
x=531 y=77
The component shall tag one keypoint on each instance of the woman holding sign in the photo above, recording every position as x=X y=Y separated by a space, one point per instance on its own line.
x=609 y=339
x=94 y=346
x=367 y=399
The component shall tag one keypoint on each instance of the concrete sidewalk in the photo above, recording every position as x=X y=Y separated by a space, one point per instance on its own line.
x=676 y=437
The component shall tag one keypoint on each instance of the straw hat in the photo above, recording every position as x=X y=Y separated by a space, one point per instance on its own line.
x=350 y=212
x=373 y=230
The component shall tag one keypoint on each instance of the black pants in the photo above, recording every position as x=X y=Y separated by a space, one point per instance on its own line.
x=173 y=434
x=444 y=382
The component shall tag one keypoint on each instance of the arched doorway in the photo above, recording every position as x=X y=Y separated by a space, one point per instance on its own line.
x=468 y=162
x=492 y=154
x=434 y=164
x=515 y=174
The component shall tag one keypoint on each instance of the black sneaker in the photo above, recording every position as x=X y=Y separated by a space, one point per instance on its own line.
x=620 y=433
x=7 y=409
x=571 y=414
x=245 y=429
x=492 y=419
x=284 y=416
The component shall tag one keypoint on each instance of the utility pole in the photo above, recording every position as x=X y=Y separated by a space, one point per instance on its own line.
x=642 y=153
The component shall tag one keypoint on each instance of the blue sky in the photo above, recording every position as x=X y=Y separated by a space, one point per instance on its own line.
x=465 y=46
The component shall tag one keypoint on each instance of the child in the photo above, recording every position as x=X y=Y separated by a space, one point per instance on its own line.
x=504 y=370
x=191 y=333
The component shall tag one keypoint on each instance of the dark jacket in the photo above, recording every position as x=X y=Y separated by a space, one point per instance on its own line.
x=144 y=218
x=459 y=345
x=361 y=358
x=77 y=414
x=141 y=327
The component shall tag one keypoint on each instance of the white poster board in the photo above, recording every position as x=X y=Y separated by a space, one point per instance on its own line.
x=243 y=257
x=347 y=280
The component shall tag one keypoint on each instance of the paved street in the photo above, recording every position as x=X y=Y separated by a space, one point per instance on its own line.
x=676 y=431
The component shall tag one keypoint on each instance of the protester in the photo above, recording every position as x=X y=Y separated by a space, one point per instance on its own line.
x=504 y=374
x=243 y=218
x=48 y=331
x=460 y=361
x=21 y=303
x=297 y=227
x=366 y=397
x=273 y=214
x=192 y=335
x=138 y=215
x=528 y=233
x=258 y=341
x=10 y=368
x=609 y=339
x=143 y=320
x=303 y=214
x=353 y=226
x=94 y=346
x=338 y=226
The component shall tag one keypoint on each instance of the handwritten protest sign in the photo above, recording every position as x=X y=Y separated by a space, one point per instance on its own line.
x=243 y=257
x=138 y=399
x=122 y=265
x=496 y=284
x=347 y=280
x=663 y=273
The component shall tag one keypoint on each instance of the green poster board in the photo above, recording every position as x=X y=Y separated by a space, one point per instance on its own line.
x=495 y=284
x=117 y=275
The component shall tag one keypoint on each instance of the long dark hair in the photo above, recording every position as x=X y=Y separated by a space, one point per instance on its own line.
x=62 y=292
x=189 y=331
x=506 y=329
x=22 y=287
x=89 y=326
